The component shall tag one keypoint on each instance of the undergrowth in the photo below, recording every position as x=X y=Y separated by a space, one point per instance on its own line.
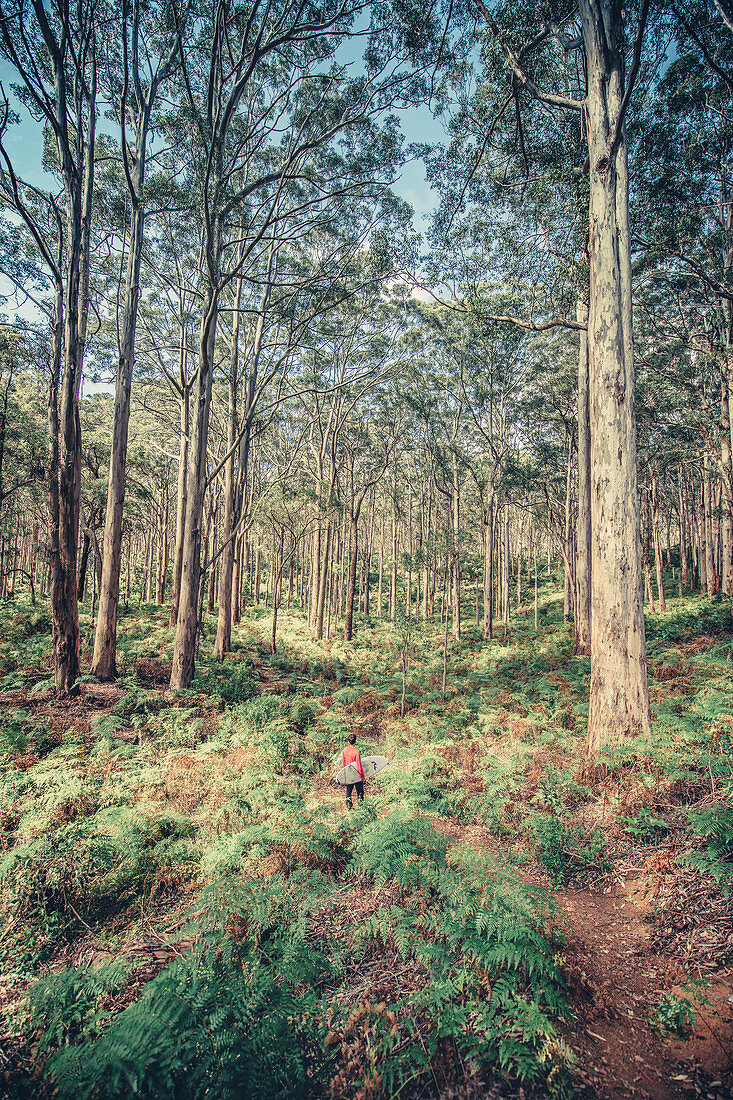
x=123 y=809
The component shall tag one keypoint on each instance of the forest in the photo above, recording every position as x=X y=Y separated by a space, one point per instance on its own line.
x=365 y=370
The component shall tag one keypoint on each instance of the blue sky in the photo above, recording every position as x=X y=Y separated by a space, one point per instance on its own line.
x=25 y=146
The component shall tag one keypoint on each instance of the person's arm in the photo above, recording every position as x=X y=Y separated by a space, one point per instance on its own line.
x=357 y=765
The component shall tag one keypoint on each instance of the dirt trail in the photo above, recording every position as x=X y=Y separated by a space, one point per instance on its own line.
x=614 y=978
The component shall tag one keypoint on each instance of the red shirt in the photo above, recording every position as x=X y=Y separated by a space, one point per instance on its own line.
x=351 y=755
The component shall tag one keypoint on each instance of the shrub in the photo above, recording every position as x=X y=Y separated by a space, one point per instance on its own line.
x=674 y=1014
x=233 y=685
x=563 y=850
x=14 y=731
x=138 y=703
x=492 y=977
x=302 y=714
x=399 y=847
x=64 y=1005
x=236 y=1016
x=715 y=825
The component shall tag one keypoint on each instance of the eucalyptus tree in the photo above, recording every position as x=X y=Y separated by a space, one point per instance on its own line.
x=349 y=353
x=53 y=50
x=149 y=37
x=514 y=211
x=438 y=395
x=262 y=98
x=168 y=315
x=578 y=61
x=321 y=253
x=368 y=440
x=686 y=225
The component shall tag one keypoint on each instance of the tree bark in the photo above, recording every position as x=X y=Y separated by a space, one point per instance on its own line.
x=583 y=580
x=683 y=532
x=727 y=484
x=104 y=665
x=182 y=487
x=657 y=545
x=706 y=518
x=456 y=553
x=184 y=651
x=619 y=694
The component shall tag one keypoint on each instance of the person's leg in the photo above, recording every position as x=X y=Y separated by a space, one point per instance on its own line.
x=360 y=791
x=349 y=789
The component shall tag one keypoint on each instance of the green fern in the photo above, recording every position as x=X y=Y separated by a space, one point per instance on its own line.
x=237 y=1016
x=400 y=847
x=715 y=825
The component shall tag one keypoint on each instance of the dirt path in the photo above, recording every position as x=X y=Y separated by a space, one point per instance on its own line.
x=615 y=977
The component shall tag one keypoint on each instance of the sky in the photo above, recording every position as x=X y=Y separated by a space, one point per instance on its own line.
x=25 y=146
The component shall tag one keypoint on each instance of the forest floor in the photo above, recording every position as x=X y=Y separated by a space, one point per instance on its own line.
x=491 y=923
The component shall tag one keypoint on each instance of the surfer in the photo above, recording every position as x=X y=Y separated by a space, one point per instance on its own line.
x=351 y=755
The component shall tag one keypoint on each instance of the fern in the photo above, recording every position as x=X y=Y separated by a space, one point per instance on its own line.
x=400 y=848
x=237 y=1016
x=65 y=1004
x=715 y=825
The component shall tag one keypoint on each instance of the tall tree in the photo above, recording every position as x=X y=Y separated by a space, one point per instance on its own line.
x=148 y=59
x=54 y=53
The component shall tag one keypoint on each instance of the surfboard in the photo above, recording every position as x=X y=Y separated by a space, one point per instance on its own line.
x=370 y=764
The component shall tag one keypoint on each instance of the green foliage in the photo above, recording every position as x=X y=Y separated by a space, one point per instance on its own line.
x=565 y=850
x=493 y=980
x=303 y=714
x=65 y=1005
x=14 y=731
x=180 y=727
x=87 y=869
x=644 y=826
x=255 y=714
x=423 y=782
x=715 y=825
x=234 y=1017
x=397 y=846
x=689 y=620
x=674 y=1014
x=138 y=704
x=275 y=744
x=232 y=685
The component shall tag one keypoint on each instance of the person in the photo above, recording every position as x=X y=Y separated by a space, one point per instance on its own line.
x=351 y=755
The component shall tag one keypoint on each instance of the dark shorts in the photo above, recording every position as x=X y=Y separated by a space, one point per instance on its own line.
x=359 y=790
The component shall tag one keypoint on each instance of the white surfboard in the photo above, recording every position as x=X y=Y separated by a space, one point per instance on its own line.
x=370 y=764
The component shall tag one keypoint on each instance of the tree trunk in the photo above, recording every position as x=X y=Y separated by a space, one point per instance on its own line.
x=456 y=553
x=707 y=519
x=619 y=694
x=235 y=485
x=583 y=537
x=726 y=486
x=683 y=532
x=702 y=555
x=182 y=488
x=211 y=590
x=83 y=565
x=184 y=651
x=223 y=641
x=569 y=593
x=351 y=580
x=657 y=545
x=505 y=595
x=489 y=569
x=104 y=664
x=322 y=582
x=645 y=557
